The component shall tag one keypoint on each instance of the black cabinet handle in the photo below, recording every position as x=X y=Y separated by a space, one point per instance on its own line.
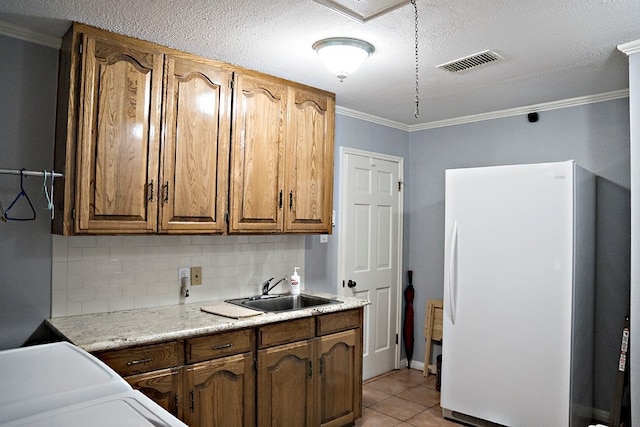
x=223 y=346
x=165 y=189
x=138 y=362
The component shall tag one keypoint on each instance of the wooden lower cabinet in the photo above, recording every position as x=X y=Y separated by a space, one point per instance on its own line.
x=312 y=382
x=221 y=392
x=163 y=387
x=305 y=372
x=286 y=385
x=315 y=381
x=339 y=387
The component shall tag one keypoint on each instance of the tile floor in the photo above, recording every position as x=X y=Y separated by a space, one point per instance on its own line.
x=401 y=398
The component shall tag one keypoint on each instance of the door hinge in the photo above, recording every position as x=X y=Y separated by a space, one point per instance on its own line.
x=191 y=405
x=175 y=403
x=400 y=182
x=310 y=368
x=73 y=213
x=80 y=48
x=396 y=339
x=231 y=84
x=226 y=217
x=321 y=365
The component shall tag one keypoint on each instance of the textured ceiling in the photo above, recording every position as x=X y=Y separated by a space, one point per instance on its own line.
x=553 y=49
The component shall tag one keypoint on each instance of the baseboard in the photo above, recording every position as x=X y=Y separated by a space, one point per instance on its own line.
x=414 y=365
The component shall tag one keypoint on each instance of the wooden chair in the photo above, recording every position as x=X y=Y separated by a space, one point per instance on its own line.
x=432 y=331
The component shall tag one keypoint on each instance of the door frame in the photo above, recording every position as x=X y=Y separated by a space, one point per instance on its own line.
x=342 y=240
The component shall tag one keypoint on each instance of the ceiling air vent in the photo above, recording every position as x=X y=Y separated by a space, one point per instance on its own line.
x=471 y=61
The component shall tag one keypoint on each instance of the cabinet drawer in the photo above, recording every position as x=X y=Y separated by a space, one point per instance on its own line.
x=135 y=360
x=286 y=332
x=340 y=321
x=218 y=345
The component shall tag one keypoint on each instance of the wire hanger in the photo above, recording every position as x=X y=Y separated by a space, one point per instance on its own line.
x=20 y=195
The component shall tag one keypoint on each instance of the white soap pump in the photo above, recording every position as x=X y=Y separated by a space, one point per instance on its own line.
x=295 y=282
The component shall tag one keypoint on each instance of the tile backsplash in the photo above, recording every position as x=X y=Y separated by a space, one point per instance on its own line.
x=94 y=274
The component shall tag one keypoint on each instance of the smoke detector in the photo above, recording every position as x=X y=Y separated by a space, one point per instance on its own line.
x=471 y=61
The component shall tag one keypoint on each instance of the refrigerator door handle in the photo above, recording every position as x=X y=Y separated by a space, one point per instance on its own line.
x=452 y=280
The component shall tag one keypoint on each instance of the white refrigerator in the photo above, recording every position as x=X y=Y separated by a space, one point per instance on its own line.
x=517 y=348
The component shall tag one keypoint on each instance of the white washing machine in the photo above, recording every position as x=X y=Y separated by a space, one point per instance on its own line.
x=128 y=409
x=60 y=381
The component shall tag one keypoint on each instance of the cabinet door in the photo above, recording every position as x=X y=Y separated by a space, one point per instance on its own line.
x=221 y=392
x=340 y=381
x=309 y=161
x=117 y=166
x=195 y=148
x=286 y=385
x=163 y=387
x=257 y=169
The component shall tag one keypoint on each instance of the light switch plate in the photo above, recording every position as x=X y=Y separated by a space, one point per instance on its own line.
x=196 y=276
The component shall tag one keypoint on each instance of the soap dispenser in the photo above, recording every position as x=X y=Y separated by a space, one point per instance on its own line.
x=295 y=282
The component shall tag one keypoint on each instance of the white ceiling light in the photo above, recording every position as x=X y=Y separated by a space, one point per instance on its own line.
x=343 y=55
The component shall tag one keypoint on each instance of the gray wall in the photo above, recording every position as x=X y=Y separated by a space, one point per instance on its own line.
x=596 y=136
x=321 y=259
x=28 y=74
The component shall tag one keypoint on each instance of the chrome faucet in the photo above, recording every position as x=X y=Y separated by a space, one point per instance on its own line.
x=266 y=288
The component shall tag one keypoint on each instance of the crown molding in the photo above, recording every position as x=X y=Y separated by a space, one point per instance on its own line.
x=22 y=33
x=545 y=106
x=371 y=118
x=630 y=48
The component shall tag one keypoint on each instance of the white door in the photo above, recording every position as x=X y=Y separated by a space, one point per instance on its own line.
x=370 y=248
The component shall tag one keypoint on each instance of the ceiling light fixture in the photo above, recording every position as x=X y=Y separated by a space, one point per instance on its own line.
x=343 y=55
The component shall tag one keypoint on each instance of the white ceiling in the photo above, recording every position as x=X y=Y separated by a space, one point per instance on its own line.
x=553 y=49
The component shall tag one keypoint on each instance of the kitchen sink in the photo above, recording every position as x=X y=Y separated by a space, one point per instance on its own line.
x=277 y=303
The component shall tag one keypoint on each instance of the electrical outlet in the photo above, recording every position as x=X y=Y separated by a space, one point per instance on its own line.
x=324 y=238
x=196 y=275
x=183 y=272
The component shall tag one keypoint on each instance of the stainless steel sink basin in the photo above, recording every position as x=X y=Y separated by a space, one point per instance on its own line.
x=282 y=302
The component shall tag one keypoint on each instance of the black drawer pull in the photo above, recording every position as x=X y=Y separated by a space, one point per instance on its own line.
x=138 y=362
x=223 y=346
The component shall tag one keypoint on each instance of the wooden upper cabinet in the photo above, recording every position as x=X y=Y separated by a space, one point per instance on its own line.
x=257 y=168
x=281 y=158
x=154 y=140
x=119 y=117
x=195 y=147
x=309 y=161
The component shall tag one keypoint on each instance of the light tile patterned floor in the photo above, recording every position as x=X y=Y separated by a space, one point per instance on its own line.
x=401 y=398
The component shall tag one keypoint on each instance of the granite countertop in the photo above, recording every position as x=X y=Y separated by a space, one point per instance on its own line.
x=104 y=331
